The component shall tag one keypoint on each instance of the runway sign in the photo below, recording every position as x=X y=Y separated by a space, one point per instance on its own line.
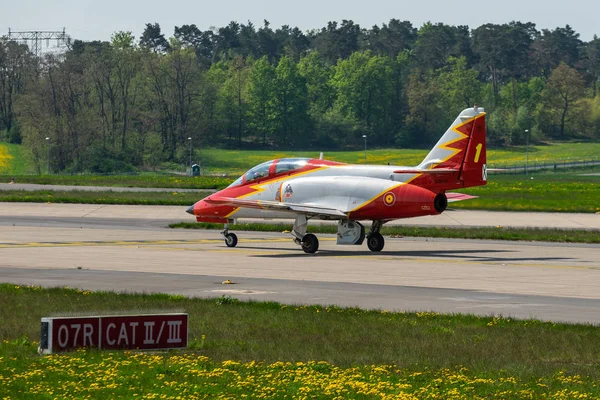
x=158 y=331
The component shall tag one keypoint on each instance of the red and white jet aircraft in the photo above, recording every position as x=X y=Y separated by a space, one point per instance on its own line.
x=303 y=188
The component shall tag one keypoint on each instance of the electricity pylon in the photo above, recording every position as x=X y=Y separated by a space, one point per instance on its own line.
x=34 y=39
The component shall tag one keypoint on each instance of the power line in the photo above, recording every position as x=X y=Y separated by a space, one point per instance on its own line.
x=34 y=39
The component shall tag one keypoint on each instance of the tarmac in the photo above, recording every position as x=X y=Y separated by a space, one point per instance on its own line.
x=128 y=248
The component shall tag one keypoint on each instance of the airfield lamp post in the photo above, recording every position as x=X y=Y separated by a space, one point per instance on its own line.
x=365 y=137
x=527 y=154
x=190 y=140
x=48 y=155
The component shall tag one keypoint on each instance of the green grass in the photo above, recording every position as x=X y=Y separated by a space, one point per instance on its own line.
x=488 y=233
x=540 y=192
x=553 y=152
x=13 y=160
x=249 y=348
x=236 y=162
x=107 y=197
x=143 y=181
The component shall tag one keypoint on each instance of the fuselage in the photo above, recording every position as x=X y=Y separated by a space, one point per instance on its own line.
x=364 y=192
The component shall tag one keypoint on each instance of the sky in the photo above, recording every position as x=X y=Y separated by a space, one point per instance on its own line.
x=99 y=19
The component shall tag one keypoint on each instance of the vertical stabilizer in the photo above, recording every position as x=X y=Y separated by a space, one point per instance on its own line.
x=462 y=148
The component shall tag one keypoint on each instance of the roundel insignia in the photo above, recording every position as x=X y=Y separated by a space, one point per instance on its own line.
x=389 y=199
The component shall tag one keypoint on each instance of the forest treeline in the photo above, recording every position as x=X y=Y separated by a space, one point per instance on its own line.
x=129 y=102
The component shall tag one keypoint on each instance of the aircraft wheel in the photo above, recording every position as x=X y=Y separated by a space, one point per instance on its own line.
x=375 y=242
x=231 y=239
x=310 y=243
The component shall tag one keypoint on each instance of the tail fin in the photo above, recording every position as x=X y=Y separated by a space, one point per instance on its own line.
x=462 y=149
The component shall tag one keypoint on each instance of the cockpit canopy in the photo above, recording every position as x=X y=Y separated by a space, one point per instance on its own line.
x=271 y=169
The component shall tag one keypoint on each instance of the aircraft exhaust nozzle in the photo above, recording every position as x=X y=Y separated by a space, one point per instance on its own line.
x=440 y=203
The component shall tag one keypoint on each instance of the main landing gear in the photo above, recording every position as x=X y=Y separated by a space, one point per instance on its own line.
x=308 y=241
x=375 y=241
x=231 y=239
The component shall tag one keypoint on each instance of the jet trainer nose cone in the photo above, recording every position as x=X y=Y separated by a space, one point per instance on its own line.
x=190 y=209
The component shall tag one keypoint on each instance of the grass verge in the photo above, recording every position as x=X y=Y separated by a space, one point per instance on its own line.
x=108 y=197
x=13 y=159
x=490 y=233
x=239 y=161
x=143 y=181
x=542 y=192
x=275 y=351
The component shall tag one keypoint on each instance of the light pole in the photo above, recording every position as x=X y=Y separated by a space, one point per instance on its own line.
x=48 y=155
x=527 y=153
x=190 y=140
x=365 y=137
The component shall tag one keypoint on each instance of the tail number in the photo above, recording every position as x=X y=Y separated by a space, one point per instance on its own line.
x=478 y=152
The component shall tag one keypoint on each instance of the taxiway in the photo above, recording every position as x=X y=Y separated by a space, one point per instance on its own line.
x=127 y=248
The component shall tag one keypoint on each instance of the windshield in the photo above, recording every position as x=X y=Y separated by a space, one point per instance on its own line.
x=262 y=170
x=290 y=164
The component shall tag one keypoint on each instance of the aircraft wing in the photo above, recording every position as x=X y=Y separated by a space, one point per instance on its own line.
x=309 y=209
x=459 y=197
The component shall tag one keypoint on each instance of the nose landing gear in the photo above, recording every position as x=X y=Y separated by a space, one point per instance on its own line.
x=231 y=239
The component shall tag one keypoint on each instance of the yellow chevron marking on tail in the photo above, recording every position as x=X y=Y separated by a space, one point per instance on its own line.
x=462 y=136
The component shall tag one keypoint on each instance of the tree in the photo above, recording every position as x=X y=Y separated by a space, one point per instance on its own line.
x=321 y=93
x=227 y=42
x=295 y=43
x=504 y=51
x=565 y=86
x=290 y=105
x=233 y=97
x=153 y=39
x=423 y=122
x=17 y=65
x=174 y=82
x=435 y=43
x=127 y=63
x=552 y=47
x=334 y=42
x=365 y=90
x=391 y=39
x=99 y=61
x=459 y=86
x=591 y=63
x=201 y=42
x=260 y=93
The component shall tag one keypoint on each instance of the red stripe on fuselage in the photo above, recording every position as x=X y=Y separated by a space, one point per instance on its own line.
x=410 y=201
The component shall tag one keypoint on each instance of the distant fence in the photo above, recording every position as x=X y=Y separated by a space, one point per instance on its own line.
x=536 y=166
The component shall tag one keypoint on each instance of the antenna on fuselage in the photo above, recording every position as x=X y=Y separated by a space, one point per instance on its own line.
x=321 y=156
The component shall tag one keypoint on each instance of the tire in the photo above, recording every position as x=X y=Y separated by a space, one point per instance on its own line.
x=231 y=240
x=375 y=242
x=310 y=243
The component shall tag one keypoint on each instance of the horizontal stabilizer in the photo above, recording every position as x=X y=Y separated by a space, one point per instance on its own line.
x=459 y=197
x=424 y=171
